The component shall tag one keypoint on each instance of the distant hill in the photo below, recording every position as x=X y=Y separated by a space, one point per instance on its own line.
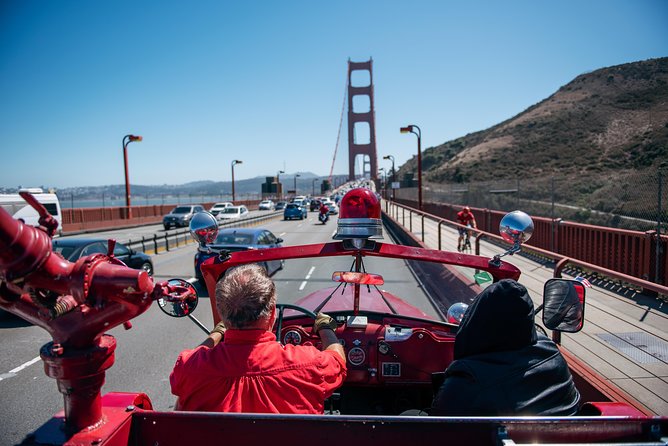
x=604 y=125
x=305 y=182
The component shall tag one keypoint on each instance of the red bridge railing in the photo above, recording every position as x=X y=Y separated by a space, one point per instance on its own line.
x=81 y=219
x=633 y=253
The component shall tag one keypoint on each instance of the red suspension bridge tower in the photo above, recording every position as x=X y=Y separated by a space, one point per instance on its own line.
x=361 y=121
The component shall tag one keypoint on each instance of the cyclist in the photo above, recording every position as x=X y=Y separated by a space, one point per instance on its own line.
x=465 y=218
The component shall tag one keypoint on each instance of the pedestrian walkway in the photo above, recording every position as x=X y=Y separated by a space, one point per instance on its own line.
x=625 y=335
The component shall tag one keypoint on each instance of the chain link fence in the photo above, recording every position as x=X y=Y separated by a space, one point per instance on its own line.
x=631 y=200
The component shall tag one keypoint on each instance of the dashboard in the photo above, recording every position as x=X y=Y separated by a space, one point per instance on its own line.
x=381 y=349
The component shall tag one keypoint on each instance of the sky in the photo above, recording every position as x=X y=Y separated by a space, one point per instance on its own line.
x=211 y=81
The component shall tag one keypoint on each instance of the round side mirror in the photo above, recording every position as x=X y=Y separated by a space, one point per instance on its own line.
x=181 y=300
x=516 y=227
x=204 y=228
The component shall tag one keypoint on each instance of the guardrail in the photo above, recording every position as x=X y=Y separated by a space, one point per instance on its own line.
x=399 y=212
x=174 y=239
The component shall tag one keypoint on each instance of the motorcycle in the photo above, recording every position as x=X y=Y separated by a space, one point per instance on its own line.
x=323 y=217
x=396 y=334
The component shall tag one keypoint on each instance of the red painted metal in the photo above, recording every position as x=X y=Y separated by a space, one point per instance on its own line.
x=75 y=303
x=355 y=149
x=80 y=219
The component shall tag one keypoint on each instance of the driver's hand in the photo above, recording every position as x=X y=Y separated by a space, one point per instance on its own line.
x=323 y=321
x=219 y=328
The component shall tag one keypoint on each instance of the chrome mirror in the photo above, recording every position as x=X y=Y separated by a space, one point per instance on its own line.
x=516 y=227
x=204 y=228
x=563 y=305
x=179 y=299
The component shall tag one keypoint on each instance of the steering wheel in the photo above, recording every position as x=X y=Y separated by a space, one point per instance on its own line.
x=279 y=319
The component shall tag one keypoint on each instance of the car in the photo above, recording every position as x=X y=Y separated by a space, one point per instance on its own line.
x=294 y=210
x=266 y=205
x=232 y=212
x=73 y=249
x=315 y=205
x=217 y=207
x=181 y=215
x=280 y=205
x=241 y=239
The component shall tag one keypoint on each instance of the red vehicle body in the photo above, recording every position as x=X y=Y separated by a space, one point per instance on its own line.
x=77 y=302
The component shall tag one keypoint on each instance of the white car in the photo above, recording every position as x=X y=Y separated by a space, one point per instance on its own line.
x=232 y=212
x=266 y=205
x=216 y=208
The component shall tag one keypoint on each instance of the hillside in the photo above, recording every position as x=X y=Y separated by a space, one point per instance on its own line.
x=608 y=124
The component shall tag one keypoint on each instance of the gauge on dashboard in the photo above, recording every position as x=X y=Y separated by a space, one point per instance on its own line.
x=292 y=337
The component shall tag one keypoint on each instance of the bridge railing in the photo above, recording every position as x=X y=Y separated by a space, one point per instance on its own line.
x=629 y=256
x=82 y=219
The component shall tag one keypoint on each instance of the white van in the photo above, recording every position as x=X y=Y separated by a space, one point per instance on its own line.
x=18 y=208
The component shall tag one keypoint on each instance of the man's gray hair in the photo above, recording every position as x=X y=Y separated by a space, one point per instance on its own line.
x=245 y=295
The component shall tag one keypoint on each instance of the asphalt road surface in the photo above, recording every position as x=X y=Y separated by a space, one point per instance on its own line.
x=146 y=353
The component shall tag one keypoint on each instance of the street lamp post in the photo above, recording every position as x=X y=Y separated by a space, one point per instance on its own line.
x=383 y=179
x=315 y=180
x=296 y=176
x=278 y=184
x=234 y=163
x=127 y=139
x=390 y=157
x=412 y=129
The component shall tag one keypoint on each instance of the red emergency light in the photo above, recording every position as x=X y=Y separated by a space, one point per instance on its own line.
x=359 y=215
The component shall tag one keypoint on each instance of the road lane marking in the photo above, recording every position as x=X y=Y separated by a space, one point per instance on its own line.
x=308 y=276
x=16 y=370
x=282 y=234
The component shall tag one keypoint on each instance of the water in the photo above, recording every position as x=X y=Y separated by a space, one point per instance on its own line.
x=68 y=202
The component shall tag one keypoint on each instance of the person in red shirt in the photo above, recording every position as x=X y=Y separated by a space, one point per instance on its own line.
x=249 y=371
x=465 y=217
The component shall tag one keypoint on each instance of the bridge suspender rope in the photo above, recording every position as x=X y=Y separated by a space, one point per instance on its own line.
x=338 y=136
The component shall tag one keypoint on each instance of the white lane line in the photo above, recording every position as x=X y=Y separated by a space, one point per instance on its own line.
x=282 y=234
x=299 y=225
x=308 y=276
x=13 y=372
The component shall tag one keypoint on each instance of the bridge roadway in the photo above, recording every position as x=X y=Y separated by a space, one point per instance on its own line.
x=145 y=354
x=625 y=335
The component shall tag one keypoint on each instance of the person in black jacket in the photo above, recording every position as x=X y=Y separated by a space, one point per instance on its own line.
x=502 y=367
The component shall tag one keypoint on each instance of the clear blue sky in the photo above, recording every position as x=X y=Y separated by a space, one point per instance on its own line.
x=206 y=82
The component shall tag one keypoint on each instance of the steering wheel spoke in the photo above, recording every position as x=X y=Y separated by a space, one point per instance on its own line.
x=280 y=308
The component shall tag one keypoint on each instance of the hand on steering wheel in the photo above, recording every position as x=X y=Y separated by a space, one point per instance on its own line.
x=279 y=318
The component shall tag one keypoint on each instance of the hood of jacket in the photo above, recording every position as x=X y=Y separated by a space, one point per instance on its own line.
x=500 y=318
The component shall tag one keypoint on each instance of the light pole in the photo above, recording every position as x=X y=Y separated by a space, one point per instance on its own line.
x=127 y=139
x=383 y=181
x=296 y=176
x=234 y=163
x=315 y=180
x=278 y=184
x=412 y=129
x=390 y=157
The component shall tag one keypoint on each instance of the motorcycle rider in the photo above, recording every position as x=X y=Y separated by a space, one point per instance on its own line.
x=502 y=366
x=324 y=213
x=249 y=371
x=466 y=218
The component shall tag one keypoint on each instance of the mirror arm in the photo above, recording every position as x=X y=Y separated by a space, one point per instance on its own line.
x=199 y=324
x=496 y=260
